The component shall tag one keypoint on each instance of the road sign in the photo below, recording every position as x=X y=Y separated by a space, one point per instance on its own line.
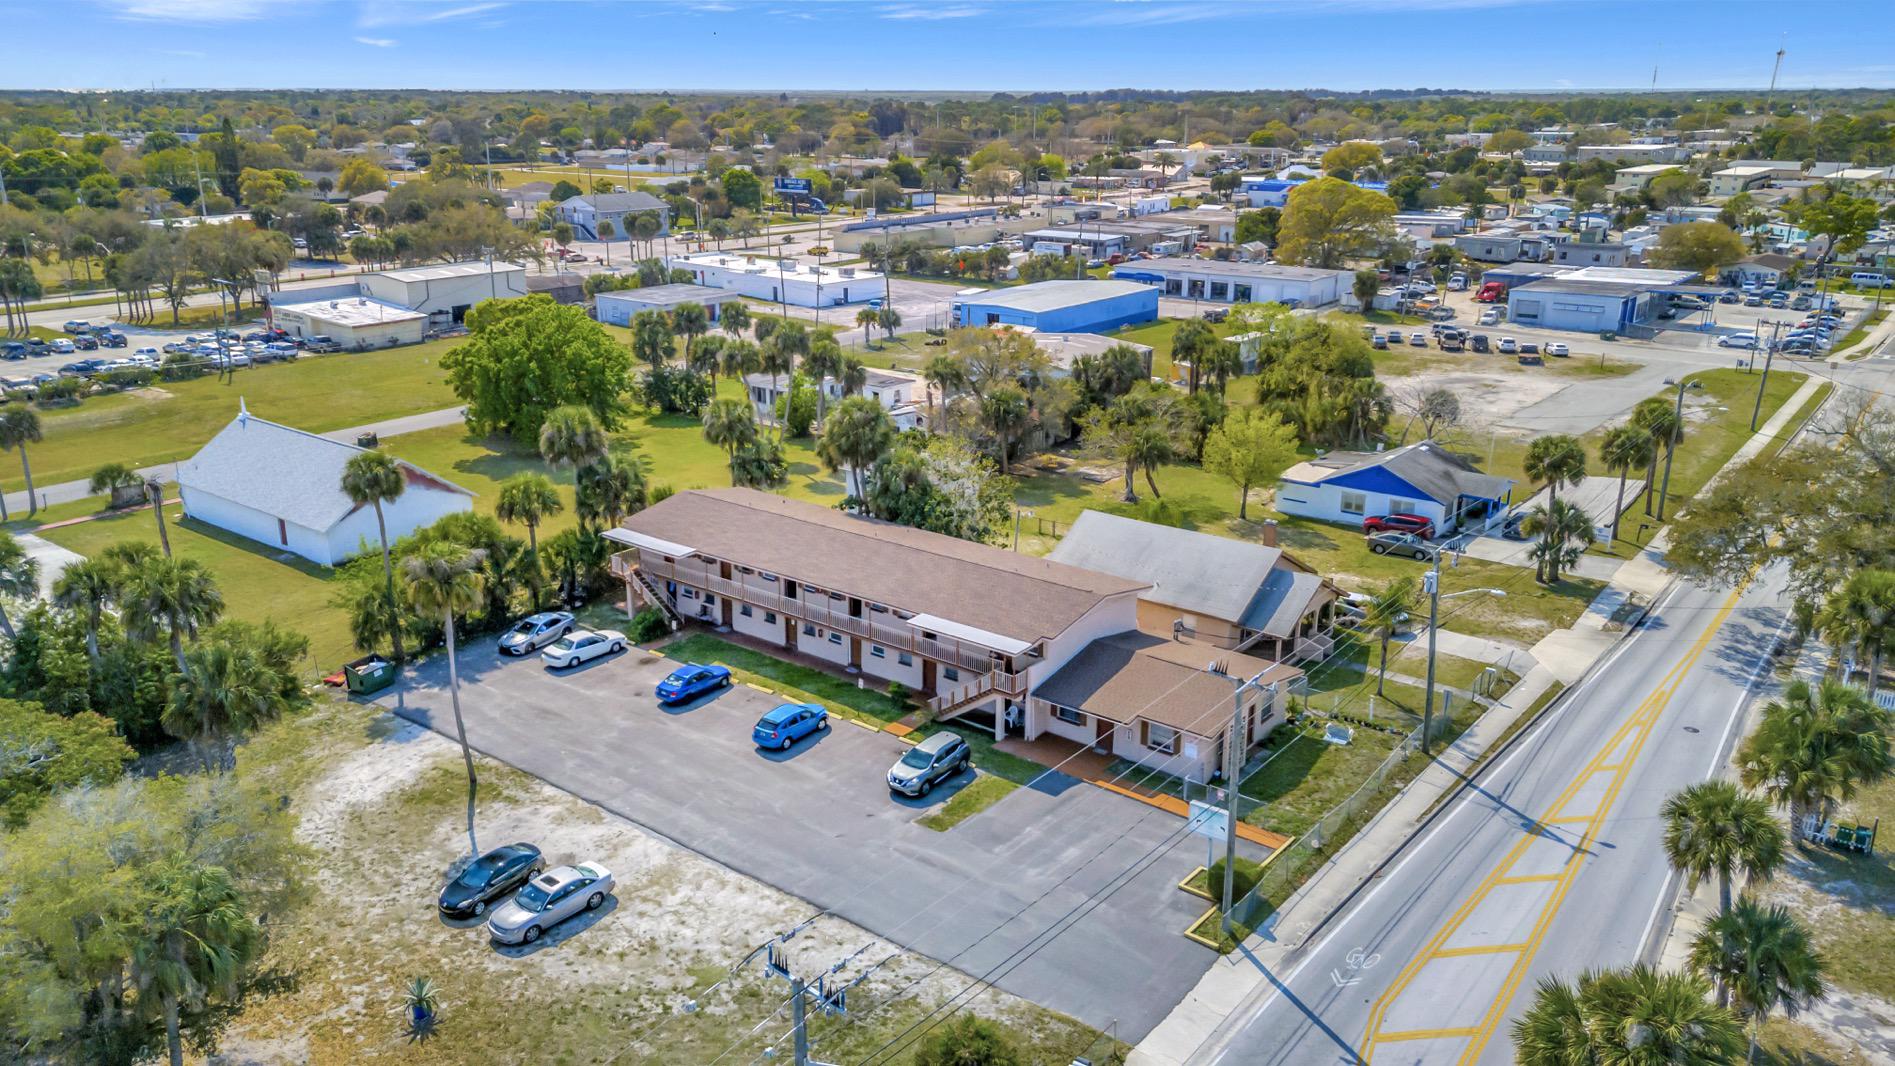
x=1208 y=820
x=793 y=185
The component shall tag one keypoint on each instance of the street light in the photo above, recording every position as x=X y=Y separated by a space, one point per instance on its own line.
x=1664 y=491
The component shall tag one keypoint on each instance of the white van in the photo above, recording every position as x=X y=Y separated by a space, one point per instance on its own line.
x=1869 y=279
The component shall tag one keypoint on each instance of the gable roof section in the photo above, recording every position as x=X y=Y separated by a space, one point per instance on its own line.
x=922 y=573
x=1427 y=468
x=283 y=472
x=1198 y=572
x=618 y=202
x=1128 y=676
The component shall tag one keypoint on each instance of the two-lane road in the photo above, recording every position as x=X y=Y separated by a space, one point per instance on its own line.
x=1551 y=863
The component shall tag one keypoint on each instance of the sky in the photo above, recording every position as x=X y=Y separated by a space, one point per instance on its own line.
x=975 y=46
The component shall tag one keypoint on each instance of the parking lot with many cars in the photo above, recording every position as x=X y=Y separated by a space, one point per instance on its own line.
x=822 y=819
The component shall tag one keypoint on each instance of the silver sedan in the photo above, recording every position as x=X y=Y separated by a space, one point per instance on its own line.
x=549 y=899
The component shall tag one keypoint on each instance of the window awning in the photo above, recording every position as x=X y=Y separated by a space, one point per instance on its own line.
x=971 y=634
x=645 y=542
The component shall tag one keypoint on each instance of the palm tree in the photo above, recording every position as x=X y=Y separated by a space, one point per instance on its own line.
x=1714 y=828
x=223 y=690
x=852 y=375
x=739 y=357
x=1861 y=615
x=19 y=427
x=704 y=357
x=572 y=436
x=1563 y=532
x=1006 y=412
x=372 y=478
x=608 y=490
x=1624 y=449
x=154 y=493
x=178 y=596
x=730 y=424
x=735 y=318
x=87 y=585
x=775 y=362
x=760 y=465
x=852 y=440
x=1556 y=461
x=196 y=938
x=652 y=340
x=1634 y=1017
x=1815 y=747
x=1383 y=615
x=822 y=365
x=868 y=319
x=1658 y=417
x=1150 y=447
x=690 y=321
x=889 y=319
x=446 y=578
x=944 y=374
x=19 y=577
x=528 y=498
x=1763 y=958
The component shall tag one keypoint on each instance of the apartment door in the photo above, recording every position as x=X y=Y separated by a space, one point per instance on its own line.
x=927 y=675
x=1101 y=733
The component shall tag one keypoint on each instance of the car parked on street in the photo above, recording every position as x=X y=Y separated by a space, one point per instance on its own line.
x=534 y=632
x=584 y=645
x=787 y=723
x=489 y=878
x=692 y=680
x=1737 y=340
x=548 y=900
x=1420 y=525
x=1392 y=543
x=928 y=763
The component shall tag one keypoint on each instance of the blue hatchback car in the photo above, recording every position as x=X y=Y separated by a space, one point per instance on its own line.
x=692 y=680
x=788 y=723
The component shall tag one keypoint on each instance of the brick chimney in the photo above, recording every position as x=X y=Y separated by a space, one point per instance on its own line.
x=1269 y=532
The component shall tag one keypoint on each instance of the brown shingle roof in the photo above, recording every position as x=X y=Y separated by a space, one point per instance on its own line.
x=1128 y=676
x=979 y=585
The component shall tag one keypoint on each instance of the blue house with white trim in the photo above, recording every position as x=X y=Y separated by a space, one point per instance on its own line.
x=1424 y=479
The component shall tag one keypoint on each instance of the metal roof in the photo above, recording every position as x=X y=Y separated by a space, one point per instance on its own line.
x=1053 y=295
x=450 y=270
x=1217 y=268
x=671 y=295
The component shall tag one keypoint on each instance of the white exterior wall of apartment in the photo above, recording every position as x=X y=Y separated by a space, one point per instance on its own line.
x=888 y=667
x=820 y=645
x=1114 y=614
x=757 y=624
x=1324 y=502
x=263 y=528
x=1194 y=761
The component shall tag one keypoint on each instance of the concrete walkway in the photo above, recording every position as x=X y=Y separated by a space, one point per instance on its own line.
x=166 y=473
x=53 y=560
x=1515 y=553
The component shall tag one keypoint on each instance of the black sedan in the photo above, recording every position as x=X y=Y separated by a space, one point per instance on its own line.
x=490 y=878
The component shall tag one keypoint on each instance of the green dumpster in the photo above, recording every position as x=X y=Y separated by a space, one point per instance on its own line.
x=371 y=673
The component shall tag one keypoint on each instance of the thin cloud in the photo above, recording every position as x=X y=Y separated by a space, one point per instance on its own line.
x=188 y=10
x=390 y=14
x=904 y=12
x=377 y=42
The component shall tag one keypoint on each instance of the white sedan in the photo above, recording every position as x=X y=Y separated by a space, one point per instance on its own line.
x=1557 y=349
x=582 y=645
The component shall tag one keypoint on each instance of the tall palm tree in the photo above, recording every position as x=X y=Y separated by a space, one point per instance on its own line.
x=777 y=363
x=1382 y=617
x=1762 y=957
x=572 y=436
x=608 y=490
x=690 y=321
x=87 y=585
x=859 y=433
x=372 y=478
x=705 y=356
x=1658 y=417
x=1006 y=412
x=1563 y=532
x=19 y=578
x=19 y=427
x=868 y=319
x=652 y=340
x=196 y=938
x=1555 y=461
x=1715 y=829
x=823 y=363
x=1815 y=747
x=223 y=691
x=1861 y=615
x=1634 y=1017
x=852 y=375
x=730 y=424
x=177 y=596
x=734 y=317
x=739 y=357
x=1624 y=449
x=1151 y=446
x=446 y=578
x=154 y=494
x=528 y=498
x=944 y=374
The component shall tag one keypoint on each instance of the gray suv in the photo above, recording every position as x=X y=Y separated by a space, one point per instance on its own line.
x=928 y=763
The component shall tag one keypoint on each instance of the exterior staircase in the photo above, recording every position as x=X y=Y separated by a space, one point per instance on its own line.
x=949 y=702
x=1316 y=646
x=650 y=594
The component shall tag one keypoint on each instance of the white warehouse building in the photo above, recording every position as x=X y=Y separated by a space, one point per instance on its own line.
x=1226 y=282
x=394 y=306
x=780 y=280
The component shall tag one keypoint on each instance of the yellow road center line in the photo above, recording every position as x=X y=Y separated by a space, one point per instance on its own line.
x=1526 y=879
x=1428 y=1034
x=1637 y=730
x=1479 y=949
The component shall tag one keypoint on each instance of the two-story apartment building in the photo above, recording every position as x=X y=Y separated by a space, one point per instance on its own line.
x=975 y=629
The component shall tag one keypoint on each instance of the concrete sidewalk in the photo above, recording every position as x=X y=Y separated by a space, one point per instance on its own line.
x=166 y=473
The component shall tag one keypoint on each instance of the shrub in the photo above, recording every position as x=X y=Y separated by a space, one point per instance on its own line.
x=968 y=1041
x=898 y=692
x=63 y=390
x=675 y=391
x=649 y=625
x=1246 y=879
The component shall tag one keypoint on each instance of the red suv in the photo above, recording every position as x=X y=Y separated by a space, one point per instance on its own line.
x=1420 y=525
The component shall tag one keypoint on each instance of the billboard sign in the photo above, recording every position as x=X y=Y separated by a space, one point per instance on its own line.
x=796 y=185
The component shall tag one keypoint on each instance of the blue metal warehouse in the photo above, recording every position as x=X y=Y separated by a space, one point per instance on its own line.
x=1060 y=306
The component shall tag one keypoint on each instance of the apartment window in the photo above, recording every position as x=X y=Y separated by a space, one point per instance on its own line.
x=904 y=658
x=808 y=630
x=925 y=635
x=876 y=651
x=744 y=609
x=1397 y=505
x=689 y=594
x=1068 y=715
x=1161 y=738
x=948 y=673
x=769 y=577
x=769 y=617
x=1354 y=503
x=835 y=638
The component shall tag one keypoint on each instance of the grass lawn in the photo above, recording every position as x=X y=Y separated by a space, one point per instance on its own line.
x=1854 y=336
x=981 y=793
x=172 y=419
x=258 y=584
x=1845 y=897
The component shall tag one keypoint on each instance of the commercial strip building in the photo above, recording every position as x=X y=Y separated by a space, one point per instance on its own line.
x=1236 y=282
x=1057 y=306
x=618 y=306
x=1030 y=646
x=781 y=280
x=394 y=306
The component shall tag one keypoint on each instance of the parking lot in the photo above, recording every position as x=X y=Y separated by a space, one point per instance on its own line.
x=1048 y=892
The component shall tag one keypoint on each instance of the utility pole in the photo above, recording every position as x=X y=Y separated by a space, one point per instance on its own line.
x=798 y=1016
x=1233 y=768
x=1671 y=446
x=1432 y=581
x=1776 y=329
x=1771 y=95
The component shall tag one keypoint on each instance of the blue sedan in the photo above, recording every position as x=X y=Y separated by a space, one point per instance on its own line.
x=789 y=723
x=692 y=680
